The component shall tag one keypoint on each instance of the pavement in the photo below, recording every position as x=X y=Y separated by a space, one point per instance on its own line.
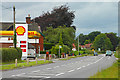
x=80 y=67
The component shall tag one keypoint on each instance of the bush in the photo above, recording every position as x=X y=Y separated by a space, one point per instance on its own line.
x=48 y=46
x=83 y=49
x=75 y=53
x=10 y=54
x=89 y=51
x=42 y=52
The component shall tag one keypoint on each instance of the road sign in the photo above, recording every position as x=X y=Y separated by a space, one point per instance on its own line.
x=60 y=46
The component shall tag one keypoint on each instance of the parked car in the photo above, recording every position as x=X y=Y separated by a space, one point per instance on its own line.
x=108 y=53
x=31 y=53
x=95 y=54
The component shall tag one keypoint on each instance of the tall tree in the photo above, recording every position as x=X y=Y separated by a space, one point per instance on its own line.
x=93 y=34
x=59 y=16
x=61 y=40
x=103 y=42
x=82 y=38
x=52 y=35
x=114 y=39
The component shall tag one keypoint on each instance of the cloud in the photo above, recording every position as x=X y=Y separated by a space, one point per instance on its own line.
x=89 y=16
x=97 y=16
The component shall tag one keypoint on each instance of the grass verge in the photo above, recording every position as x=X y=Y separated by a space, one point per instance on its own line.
x=75 y=56
x=111 y=72
x=12 y=62
x=22 y=65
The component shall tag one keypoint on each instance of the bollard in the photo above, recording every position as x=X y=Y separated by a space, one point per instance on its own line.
x=66 y=55
x=15 y=62
x=44 y=58
x=61 y=56
x=27 y=60
x=36 y=60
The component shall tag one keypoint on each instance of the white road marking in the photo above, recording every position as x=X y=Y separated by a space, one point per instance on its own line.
x=47 y=74
x=83 y=66
x=13 y=75
x=49 y=68
x=59 y=74
x=38 y=76
x=35 y=71
x=88 y=64
x=56 y=66
x=20 y=74
x=71 y=70
x=78 y=68
x=47 y=77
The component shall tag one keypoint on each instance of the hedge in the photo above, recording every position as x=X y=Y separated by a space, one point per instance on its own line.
x=89 y=51
x=10 y=54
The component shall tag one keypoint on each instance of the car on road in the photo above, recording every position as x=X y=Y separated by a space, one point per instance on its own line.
x=108 y=53
x=95 y=54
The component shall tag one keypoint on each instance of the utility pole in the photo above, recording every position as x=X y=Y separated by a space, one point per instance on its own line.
x=78 y=43
x=14 y=40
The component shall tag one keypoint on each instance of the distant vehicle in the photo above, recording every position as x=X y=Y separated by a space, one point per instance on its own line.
x=108 y=53
x=95 y=54
x=31 y=53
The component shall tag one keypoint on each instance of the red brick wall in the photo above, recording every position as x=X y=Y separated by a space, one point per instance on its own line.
x=36 y=46
x=5 y=45
x=41 y=41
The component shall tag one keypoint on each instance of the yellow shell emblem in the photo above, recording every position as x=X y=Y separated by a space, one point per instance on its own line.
x=20 y=30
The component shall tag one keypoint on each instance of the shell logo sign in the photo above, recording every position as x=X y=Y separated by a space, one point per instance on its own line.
x=20 y=30
x=22 y=38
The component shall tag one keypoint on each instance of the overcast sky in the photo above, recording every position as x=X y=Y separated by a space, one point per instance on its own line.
x=89 y=16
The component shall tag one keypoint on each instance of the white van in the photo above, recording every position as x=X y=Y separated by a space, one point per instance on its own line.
x=31 y=53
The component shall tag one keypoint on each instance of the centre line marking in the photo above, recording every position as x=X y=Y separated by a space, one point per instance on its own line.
x=35 y=71
x=49 y=68
x=88 y=64
x=83 y=66
x=56 y=66
x=78 y=68
x=71 y=70
x=59 y=74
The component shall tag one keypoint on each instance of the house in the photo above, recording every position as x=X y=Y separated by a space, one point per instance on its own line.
x=86 y=46
x=35 y=36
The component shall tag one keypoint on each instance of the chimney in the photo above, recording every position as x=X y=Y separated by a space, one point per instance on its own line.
x=28 y=19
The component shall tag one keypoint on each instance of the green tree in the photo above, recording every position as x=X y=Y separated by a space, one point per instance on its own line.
x=61 y=40
x=114 y=39
x=87 y=41
x=103 y=42
x=82 y=38
x=52 y=35
x=93 y=34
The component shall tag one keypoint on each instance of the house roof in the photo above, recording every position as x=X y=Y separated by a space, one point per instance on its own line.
x=86 y=45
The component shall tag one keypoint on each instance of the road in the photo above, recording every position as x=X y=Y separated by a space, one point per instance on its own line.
x=81 y=67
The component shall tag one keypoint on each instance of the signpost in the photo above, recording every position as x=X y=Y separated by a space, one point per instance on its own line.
x=22 y=38
x=59 y=50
